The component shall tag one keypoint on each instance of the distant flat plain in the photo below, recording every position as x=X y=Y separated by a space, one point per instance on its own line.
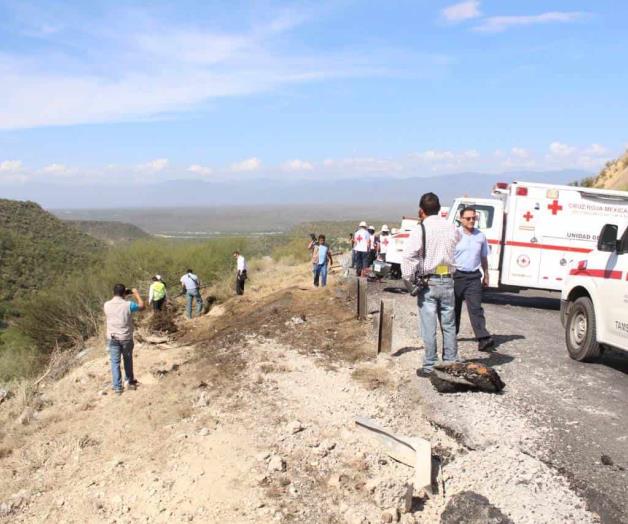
x=205 y=222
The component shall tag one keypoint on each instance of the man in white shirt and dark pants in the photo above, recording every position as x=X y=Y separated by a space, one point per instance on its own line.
x=435 y=261
x=240 y=272
x=361 y=245
x=471 y=255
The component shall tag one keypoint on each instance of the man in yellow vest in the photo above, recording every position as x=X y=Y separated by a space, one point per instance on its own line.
x=157 y=293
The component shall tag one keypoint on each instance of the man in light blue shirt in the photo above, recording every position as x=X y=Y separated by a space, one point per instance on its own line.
x=320 y=257
x=470 y=255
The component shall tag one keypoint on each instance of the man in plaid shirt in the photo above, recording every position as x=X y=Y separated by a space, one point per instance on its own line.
x=437 y=300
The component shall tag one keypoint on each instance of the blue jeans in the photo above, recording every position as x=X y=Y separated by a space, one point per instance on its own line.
x=124 y=349
x=437 y=302
x=190 y=296
x=320 y=271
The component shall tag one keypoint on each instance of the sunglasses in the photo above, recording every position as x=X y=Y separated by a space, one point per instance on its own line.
x=469 y=218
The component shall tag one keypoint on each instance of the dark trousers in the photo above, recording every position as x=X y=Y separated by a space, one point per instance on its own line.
x=468 y=288
x=240 y=278
x=158 y=305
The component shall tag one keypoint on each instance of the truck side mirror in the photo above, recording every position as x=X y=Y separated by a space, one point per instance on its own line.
x=607 y=240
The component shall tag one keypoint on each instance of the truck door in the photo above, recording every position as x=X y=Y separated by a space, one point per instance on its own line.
x=490 y=220
x=614 y=292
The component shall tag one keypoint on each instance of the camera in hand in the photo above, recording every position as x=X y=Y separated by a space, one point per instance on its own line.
x=313 y=237
x=128 y=291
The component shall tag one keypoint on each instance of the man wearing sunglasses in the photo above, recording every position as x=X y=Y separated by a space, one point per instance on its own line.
x=472 y=254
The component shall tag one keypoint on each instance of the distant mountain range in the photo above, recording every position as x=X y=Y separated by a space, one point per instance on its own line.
x=372 y=189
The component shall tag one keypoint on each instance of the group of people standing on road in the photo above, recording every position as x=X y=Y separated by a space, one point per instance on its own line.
x=441 y=264
x=119 y=316
x=368 y=247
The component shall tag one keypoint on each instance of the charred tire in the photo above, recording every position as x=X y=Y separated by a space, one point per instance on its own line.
x=580 y=331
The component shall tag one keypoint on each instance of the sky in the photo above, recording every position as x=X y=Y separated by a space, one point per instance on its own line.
x=142 y=92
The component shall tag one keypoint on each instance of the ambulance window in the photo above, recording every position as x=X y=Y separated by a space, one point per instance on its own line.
x=485 y=215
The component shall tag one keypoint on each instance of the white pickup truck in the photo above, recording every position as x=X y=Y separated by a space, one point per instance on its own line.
x=594 y=299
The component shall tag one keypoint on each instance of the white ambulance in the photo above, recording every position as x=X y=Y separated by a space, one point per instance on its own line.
x=594 y=300
x=536 y=231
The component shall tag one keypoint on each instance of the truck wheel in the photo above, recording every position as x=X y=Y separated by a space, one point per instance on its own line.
x=580 y=332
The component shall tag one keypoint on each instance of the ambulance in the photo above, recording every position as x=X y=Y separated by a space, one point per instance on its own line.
x=536 y=232
x=595 y=297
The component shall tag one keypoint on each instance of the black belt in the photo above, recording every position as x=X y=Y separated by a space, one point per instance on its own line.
x=467 y=272
x=446 y=275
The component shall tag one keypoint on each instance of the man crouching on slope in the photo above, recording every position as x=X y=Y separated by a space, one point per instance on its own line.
x=120 y=334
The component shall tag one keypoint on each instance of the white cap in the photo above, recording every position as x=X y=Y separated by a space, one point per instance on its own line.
x=385 y=228
x=371 y=227
x=158 y=277
x=363 y=224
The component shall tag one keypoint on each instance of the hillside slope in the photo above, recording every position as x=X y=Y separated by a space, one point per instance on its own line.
x=614 y=175
x=109 y=232
x=36 y=248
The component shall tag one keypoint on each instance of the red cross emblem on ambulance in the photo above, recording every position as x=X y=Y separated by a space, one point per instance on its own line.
x=528 y=216
x=554 y=207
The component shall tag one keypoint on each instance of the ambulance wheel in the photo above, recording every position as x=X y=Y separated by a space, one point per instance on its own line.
x=580 y=332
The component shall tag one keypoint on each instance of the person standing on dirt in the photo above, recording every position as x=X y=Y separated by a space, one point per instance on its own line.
x=241 y=272
x=472 y=254
x=191 y=286
x=321 y=256
x=361 y=246
x=157 y=293
x=429 y=253
x=119 y=332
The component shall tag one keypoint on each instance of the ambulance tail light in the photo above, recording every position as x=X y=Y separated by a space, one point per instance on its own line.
x=501 y=185
x=522 y=191
x=582 y=265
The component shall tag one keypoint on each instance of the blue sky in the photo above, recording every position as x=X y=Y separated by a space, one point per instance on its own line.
x=105 y=91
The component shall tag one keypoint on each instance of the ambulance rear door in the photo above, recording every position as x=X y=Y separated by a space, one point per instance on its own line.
x=490 y=220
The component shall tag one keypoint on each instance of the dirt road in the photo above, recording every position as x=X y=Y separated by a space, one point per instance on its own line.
x=578 y=411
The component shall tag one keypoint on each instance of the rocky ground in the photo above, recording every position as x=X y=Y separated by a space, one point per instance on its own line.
x=248 y=415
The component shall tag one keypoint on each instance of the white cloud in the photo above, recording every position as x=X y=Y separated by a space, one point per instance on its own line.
x=497 y=24
x=461 y=11
x=10 y=166
x=562 y=150
x=200 y=170
x=142 y=65
x=596 y=150
x=432 y=155
x=471 y=154
x=247 y=165
x=364 y=165
x=154 y=166
x=519 y=152
x=57 y=169
x=297 y=165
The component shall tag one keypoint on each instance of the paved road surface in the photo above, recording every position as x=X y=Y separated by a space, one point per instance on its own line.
x=584 y=407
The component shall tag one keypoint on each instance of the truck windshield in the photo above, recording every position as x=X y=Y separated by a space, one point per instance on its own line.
x=484 y=215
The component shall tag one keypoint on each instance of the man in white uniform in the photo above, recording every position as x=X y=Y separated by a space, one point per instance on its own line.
x=241 y=269
x=361 y=246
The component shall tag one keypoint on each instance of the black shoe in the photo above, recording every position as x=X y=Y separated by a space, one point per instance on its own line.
x=421 y=373
x=132 y=385
x=486 y=344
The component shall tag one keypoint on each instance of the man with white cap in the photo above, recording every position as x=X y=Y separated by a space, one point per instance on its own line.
x=384 y=240
x=361 y=246
x=157 y=293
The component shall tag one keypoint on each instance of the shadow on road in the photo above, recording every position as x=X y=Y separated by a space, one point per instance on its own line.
x=493 y=359
x=617 y=360
x=512 y=299
x=498 y=339
x=404 y=350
